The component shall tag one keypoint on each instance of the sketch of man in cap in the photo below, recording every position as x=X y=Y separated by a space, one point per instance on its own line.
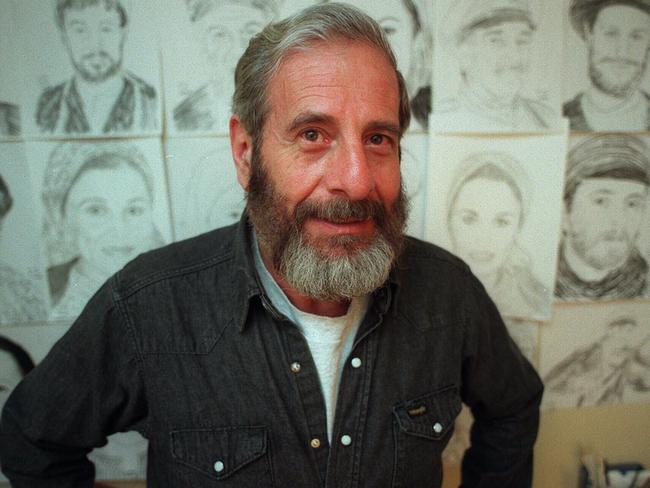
x=223 y=29
x=101 y=97
x=605 y=198
x=9 y=119
x=492 y=40
x=617 y=35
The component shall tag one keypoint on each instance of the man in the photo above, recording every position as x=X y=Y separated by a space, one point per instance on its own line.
x=411 y=42
x=101 y=97
x=232 y=351
x=492 y=41
x=9 y=119
x=223 y=29
x=617 y=35
x=605 y=198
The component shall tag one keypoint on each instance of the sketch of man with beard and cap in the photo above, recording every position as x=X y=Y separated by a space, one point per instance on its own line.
x=605 y=199
x=223 y=29
x=492 y=41
x=101 y=97
x=610 y=370
x=9 y=119
x=617 y=36
x=406 y=25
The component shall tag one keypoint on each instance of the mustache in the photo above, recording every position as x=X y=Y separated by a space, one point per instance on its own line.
x=627 y=61
x=613 y=236
x=96 y=54
x=340 y=210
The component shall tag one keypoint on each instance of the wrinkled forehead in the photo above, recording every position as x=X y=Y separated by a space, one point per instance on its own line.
x=615 y=186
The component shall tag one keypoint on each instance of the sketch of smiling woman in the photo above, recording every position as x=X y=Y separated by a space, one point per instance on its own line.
x=99 y=200
x=487 y=207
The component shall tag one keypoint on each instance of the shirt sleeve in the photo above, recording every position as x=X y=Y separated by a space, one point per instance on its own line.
x=503 y=391
x=88 y=387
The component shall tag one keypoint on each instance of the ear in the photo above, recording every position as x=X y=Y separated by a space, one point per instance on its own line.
x=241 y=145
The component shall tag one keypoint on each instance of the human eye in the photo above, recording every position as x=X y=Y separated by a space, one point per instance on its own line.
x=95 y=210
x=311 y=135
x=135 y=210
x=503 y=222
x=634 y=203
x=468 y=218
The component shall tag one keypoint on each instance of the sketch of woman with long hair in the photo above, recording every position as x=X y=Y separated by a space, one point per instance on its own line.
x=98 y=200
x=487 y=207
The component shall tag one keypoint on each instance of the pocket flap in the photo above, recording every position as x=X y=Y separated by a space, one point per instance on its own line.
x=219 y=453
x=430 y=416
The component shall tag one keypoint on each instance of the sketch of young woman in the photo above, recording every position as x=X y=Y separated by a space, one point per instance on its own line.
x=487 y=207
x=19 y=300
x=610 y=370
x=98 y=200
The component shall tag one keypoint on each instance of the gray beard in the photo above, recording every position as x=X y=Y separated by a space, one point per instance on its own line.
x=360 y=268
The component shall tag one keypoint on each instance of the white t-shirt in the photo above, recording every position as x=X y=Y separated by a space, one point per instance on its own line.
x=330 y=339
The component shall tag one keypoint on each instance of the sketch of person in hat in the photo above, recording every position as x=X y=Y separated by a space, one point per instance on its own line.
x=9 y=119
x=19 y=300
x=487 y=207
x=610 y=370
x=617 y=36
x=98 y=200
x=101 y=97
x=492 y=41
x=222 y=29
x=406 y=25
x=605 y=198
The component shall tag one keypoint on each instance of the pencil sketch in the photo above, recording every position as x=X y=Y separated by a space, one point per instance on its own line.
x=204 y=190
x=413 y=170
x=222 y=28
x=612 y=369
x=605 y=199
x=15 y=363
x=9 y=119
x=617 y=36
x=492 y=43
x=123 y=458
x=407 y=26
x=98 y=202
x=19 y=299
x=101 y=96
x=487 y=206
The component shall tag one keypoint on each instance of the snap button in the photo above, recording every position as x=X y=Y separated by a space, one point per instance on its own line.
x=437 y=427
x=315 y=443
x=356 y=362
x=218 y=466
x=346 y=440
x=295 y=367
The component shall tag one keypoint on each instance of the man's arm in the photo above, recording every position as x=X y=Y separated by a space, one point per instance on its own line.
x=89 y=386
x=504 y=392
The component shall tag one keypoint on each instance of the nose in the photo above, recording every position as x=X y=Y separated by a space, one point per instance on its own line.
x=349 y=172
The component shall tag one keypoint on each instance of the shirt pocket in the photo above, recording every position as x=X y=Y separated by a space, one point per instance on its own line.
x=230 y=456
x=422 y=428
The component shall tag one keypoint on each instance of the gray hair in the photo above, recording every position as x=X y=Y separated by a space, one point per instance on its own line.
x=269 y=48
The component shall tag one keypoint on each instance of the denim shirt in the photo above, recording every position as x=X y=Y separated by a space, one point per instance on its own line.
x=182 y=346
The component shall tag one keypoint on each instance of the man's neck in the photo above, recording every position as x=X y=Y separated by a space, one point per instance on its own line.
x=306 y=304
x=605 y=102
x=579 y=267
x=112 y=84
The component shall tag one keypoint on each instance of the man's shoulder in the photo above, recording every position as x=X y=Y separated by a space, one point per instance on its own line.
x=145 y=89
x=573 y=107
x=206 y=252
x=49 y=104
x=425 y=256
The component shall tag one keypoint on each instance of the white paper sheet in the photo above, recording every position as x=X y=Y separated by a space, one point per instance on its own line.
x=115 y=68
x=98 y=212
x=10 y=95
x=23 y=290
x=497 y=78
x=607 y=90
x=605 y=238
x=479 y=218
x=596 y=355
